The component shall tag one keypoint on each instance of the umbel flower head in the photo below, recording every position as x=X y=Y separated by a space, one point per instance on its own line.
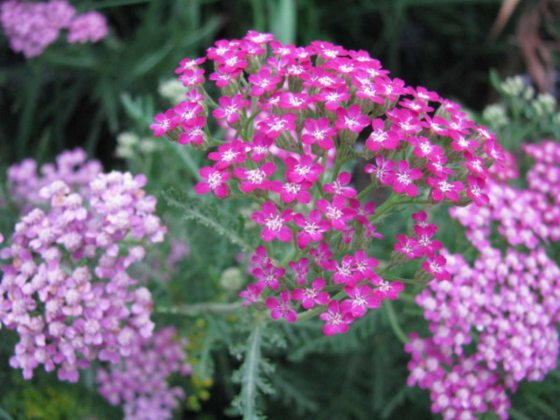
x=32 y=26
x=65 y=288
x=139 y=382
x=25 y=179
x=508 y=308
x=494 y=323
x=294 y=121
x=523 y=216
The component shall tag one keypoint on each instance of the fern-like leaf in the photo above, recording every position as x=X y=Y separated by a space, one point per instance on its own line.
x=253 y=374
x=208 y=215
x=306 y=340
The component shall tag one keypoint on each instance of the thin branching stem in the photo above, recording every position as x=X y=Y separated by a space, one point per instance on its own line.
x=393 y=321
x=196 y=309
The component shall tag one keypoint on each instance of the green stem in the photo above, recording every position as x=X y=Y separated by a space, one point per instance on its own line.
x=542 y=406
x=185 y=158
x=517 y=415
x=393 y=321
x=392 y=201
x=31 y=101
x=196 y=309
x=366 y=190
x=388 y=276
x=209 y=99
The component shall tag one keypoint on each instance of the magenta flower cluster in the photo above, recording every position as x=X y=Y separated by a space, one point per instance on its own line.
x=32 y=26
x=508 y=308
x=71 y=166
x=65 y=288
x=422 y=244
x=140 y=382
x=293 y=117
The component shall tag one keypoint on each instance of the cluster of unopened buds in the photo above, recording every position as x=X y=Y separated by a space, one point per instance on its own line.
x=295 y=120
x=65 y=285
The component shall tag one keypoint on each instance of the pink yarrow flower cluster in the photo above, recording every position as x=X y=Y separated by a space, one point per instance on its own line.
x=87 y=27
x=72 y=167
x=295 y=118
x=140 y=383
x=65 y=287
x=32 y=26
x=506 y=306
x=523 y=216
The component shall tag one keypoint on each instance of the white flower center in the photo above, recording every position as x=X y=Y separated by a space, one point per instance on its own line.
x=214 y=179
x=311 y=228
x=384 y=286
x=445 y=186
x=404 y=179
x=274 y=223
x=335 y=318
x=278 y=126
x=310 y=293
x=379 y=136
x=359 y=301
x=333 y=213
x=332 y=97
x=256 y=176
x=350 y=122
x=230 y=110
x=229 y=155
x=318 y=134
x=292 y=188
x=302 y=170
x=425 y=147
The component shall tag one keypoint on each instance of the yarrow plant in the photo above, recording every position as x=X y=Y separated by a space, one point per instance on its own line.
x=140 y=382
x=506 y=305
x=65 y=288
x=32 y=26
x=294 y=122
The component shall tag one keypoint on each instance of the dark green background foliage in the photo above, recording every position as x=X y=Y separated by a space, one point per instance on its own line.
x=84 y=95
x=71 y=95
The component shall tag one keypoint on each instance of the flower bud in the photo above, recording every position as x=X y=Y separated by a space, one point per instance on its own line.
x=231 y=279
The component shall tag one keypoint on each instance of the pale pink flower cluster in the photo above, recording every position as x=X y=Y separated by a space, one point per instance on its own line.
x=72 y=167
x=87 y=27
x=494 y=324
x=524 y=216
x=544 y=177
x=140 y=382
x=507 y=307
x=32 y=26
x=65 y=287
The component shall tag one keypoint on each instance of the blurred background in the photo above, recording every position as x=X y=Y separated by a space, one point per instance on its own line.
x=73 y=94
